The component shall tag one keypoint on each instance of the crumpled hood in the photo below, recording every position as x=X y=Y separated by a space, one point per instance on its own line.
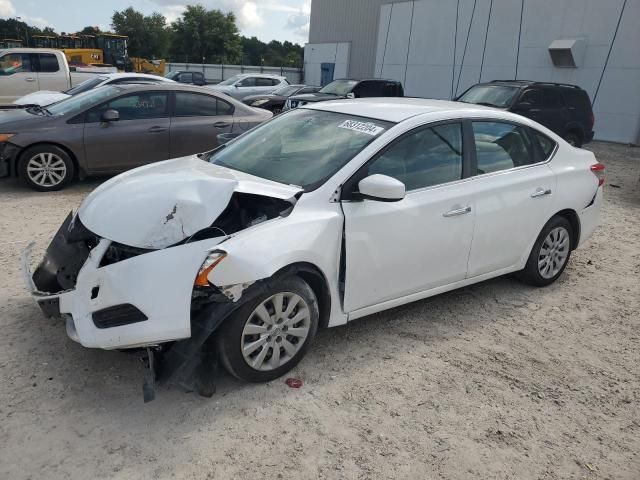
x=158 y=205
x=42 y=98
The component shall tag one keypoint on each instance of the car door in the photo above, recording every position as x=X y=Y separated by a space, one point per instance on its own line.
x=555 y=115
x=50 y=75
x=17 y=77
x=186 y=77
x=394 y=249
x=196 y=122
x=140 y=136
x=265 y=85
x=512 y=195
x=244 y=88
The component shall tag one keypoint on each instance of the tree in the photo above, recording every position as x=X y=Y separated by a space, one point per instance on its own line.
x=90 y=31
x=148 y=35
x=209 y=36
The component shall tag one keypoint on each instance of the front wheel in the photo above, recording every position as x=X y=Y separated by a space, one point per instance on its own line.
x=46 y=168
x=550 y=254
x=268 y=336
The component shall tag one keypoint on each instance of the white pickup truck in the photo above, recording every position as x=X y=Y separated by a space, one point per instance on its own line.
x=27 y=70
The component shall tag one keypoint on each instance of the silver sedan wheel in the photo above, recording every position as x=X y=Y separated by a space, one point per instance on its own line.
x=553 y=252
x=46 y=169
x=275 y=331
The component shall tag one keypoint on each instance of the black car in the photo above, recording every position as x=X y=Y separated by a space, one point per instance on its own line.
x=346 y=88
x=189 y=77
x=275 y=101
x=562 y=108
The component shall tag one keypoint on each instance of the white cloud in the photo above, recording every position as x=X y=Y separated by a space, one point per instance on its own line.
x=173 y=12
x=7 y=9
x=38 y=22
x=299 y=21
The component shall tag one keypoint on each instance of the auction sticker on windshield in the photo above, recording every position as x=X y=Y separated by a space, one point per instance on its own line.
x=362 y=127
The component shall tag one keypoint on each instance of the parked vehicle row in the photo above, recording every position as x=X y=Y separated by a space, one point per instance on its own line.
x=328 y=213
x=43 y=98
x=112 y=128
x=275 y=101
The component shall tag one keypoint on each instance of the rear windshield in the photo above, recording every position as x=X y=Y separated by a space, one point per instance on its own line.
x=339 y=87
x=86 y=85
x=500 y=96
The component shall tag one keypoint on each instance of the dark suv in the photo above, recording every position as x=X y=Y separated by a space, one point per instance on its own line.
x=188 y=77
x=347 y=88
x=563 y=108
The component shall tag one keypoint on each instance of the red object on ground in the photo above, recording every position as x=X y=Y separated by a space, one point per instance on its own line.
x=293 y=382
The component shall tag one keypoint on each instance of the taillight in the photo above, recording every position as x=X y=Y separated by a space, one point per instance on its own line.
x=598 y=170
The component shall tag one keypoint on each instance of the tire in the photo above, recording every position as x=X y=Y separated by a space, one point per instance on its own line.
x=550 y=254
x=46 y=168
x=573 y=138
x=247 y=343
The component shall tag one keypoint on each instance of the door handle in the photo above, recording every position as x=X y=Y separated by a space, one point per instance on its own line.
x=156 y=129
x=541 y=192
x=222 y=124
x=457 y=211
x=30 y=79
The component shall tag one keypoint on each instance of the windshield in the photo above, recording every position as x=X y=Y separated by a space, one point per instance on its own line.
x=230 y=81
x=302 y=148
x=499 y=96
x=339 y=87
x=172 y=75
x=86 y=85
x=83 y=100
x=286 y=91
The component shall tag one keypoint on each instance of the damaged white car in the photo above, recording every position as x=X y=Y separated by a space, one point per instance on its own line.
x=320 y=216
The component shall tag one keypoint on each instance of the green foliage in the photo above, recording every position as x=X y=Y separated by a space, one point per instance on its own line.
x=199 y=34
x=208 y=36
x=149 y=36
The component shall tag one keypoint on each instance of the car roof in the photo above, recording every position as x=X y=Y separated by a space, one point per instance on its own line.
x=266 y=75
x=164 y=86
x=135 y=75
x=398 y=109
x=525 y=83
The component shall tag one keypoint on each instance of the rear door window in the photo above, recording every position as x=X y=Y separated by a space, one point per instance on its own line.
x=48 y=63
x=552 y=98
x=547 y=146
x=264 y=82
x=501 y=146
x=199 y=105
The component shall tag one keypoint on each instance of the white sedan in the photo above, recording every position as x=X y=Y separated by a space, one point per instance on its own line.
x=43 y=98
x=323 y=215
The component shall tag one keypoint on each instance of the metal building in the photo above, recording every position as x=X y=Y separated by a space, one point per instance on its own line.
x=438 y=48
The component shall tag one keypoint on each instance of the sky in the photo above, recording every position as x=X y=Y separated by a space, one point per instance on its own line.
x=266 y=19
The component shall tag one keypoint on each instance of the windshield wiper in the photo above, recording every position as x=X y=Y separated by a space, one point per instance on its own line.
x=486 y=104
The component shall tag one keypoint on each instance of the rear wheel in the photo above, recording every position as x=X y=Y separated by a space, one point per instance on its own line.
x=550 y=254
x=269 y=335
x=46 y=168
x=574 y=139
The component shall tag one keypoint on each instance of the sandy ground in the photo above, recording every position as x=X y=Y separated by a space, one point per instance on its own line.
x=498 y=380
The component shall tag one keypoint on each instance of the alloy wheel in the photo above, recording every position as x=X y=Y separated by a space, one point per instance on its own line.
x=46 y=169
x=275 y=331
x=554 y=252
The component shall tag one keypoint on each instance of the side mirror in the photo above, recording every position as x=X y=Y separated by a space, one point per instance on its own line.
x=236 y=85
x=110 y=116
x=351 y=95
x=523 y=107
x=382 y=188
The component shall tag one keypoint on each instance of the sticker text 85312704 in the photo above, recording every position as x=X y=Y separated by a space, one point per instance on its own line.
x=362 y=127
